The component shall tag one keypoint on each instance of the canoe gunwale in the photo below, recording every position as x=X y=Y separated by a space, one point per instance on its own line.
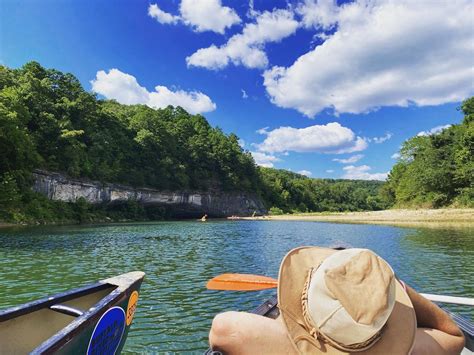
x=47 y=302
x=78 y=325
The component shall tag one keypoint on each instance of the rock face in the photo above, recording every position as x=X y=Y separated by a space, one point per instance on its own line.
x=180 y=203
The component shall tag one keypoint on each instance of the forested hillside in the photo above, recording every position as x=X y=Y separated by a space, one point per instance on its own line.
x=48 y=121
x=436 y=170
x=290 y=192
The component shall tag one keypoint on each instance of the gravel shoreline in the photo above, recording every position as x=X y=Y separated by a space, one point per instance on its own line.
x=447 y=217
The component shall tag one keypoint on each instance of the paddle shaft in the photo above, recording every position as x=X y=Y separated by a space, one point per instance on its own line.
x=249 y=282
x=466 y=301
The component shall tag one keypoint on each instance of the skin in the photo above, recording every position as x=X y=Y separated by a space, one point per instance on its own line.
x=261 y=335
x=436 y=334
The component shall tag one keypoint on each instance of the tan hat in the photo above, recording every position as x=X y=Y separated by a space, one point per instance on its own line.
x=344 y=301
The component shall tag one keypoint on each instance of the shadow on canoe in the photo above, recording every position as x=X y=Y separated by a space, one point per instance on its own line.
x=93 y=319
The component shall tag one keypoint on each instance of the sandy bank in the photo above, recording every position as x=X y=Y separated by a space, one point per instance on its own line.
x=4 y=225
x=423 y=217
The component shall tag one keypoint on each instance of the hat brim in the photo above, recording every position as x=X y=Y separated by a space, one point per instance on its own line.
x=398 y=334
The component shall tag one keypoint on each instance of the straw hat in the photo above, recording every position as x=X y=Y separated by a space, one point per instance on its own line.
x=344 y=301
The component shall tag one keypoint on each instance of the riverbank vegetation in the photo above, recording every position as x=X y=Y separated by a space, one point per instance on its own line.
x=48 y=121
x=288 y=192
x=436 y=170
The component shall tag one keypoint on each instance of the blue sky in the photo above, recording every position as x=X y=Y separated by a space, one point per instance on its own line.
x=301 y=82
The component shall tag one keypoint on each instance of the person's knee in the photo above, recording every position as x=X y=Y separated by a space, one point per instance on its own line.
x=224 y=330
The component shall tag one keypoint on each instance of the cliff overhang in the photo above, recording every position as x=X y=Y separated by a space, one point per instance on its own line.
x=185 y=204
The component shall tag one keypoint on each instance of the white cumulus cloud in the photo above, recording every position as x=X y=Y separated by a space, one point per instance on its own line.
x=351 y=160
x=208 y=15
x=362 y=173
x=330 y=171
x=247 y=48
x=192 y=101
x=320 y=14
x=305 y=173
x=395 y=156
x=265 y=160
x=329 y=138
x=434 y=130
x=125 y=89
x=161 y=16
x=263 y=130
x=381 y=53
x=382 y=139
x=201 y=15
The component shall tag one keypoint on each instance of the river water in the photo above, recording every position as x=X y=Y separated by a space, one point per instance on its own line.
x=175 y=310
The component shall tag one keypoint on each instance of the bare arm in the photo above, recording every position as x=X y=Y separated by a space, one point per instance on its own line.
x=437 y=333
x=241 y=333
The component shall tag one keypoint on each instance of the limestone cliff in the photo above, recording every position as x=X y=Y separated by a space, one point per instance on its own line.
x=181 y=203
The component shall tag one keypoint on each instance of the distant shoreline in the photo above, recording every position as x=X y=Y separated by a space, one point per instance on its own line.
x=5 y=224
x=430 y=218
x=446 y=217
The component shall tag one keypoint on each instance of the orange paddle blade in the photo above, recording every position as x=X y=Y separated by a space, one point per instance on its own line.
x=241 y=282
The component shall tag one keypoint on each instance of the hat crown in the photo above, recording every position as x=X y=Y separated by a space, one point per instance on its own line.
x=351 y=295
x=361 y=285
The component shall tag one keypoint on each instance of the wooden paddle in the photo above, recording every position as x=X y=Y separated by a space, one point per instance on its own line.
x=241 y=282
x=249 y=282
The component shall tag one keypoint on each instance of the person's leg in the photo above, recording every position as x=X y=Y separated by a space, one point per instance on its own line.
x=437 y=333
x=433 y=341
x=246 y=333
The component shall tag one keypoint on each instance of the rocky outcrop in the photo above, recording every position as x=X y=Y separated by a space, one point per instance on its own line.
x=180 y=203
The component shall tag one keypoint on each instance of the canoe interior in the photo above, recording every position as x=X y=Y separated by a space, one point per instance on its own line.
x=31 y=326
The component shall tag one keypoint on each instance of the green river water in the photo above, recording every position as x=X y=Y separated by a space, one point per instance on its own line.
x=175 y=310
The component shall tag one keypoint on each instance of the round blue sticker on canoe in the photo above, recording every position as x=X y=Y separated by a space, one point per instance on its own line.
x=107 y=333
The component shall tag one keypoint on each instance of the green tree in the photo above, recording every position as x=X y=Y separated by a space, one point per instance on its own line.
x=436 y=170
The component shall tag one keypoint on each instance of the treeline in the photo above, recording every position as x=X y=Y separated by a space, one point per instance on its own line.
x=288 y=192
x=48 y=121
x=436 y=170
